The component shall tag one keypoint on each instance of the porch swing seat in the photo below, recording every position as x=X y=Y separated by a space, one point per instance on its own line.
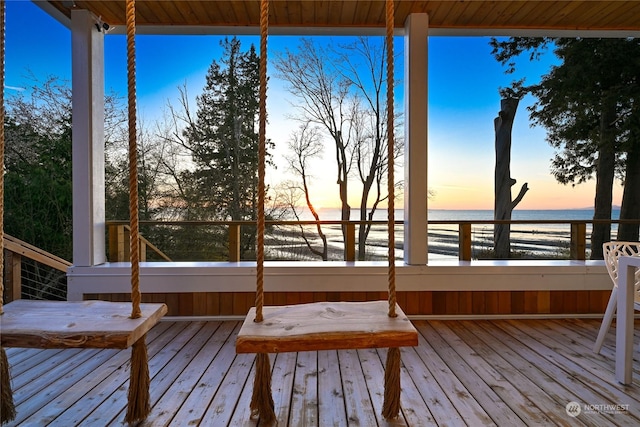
x=75 y=324
x=325 y=326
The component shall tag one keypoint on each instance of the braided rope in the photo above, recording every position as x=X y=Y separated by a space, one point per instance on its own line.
x=133 y=161
x=390 y=154
x=2 y=53
x=262 y=125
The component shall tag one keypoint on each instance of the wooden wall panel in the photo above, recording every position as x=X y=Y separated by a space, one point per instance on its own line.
x=413 y=303
x=504 y=302
x=557 y=302
x=544 y=302
x=439 y=302
x=598 y=299
x=478 y=302
x=570 y=301
x=517 y=302
x=530 y=302
x=426 y=303
x=491 y=302
x=465 y=302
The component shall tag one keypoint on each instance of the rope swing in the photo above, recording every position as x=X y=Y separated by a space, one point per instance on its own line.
x=391 y=405
x=72 y=324
x=261 y=400
x=139 y=406
x=7 y=406
x=324 y=326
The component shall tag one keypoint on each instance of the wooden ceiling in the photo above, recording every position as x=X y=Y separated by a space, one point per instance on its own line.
x=576 y=15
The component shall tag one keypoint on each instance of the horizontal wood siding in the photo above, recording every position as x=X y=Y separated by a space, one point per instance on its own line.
x=412 y=302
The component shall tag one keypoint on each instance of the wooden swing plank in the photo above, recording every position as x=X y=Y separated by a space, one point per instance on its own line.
x=75 y=324
x=325 y=326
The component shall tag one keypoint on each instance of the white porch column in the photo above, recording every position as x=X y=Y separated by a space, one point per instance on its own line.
x=415 y=152
x=87 y=47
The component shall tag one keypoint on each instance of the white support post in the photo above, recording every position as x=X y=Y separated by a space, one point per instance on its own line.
x=415 y=152
x=624 y=322
x=87 y=44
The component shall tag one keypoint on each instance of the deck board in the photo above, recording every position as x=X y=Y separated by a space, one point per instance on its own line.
x=284 y=368
x=173 y=383
x=418 y=364
x=498 y=372
x=331 y=408
x=356 y=394
x=530 y=403
x=550 y=380
x=474 y=385
x=573 y=363
x=467 y=406
x=194 y=386
x=114 y=388
x=304 y=399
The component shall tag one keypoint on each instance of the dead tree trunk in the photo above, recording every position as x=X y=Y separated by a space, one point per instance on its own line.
x=630 y=197
x=605 y=176
x=503 y=181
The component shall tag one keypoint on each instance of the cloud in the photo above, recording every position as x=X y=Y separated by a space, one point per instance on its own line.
x=19 y=89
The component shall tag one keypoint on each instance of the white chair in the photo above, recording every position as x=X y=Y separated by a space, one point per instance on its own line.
x=612 y=251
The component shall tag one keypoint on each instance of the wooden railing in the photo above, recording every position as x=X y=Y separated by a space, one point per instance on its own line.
x=577 y=245
x=119 y=248
x=16 y=253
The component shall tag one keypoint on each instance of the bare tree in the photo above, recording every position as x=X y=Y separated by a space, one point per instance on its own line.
x=304 y=145
x=341 y=89
x=323 y=94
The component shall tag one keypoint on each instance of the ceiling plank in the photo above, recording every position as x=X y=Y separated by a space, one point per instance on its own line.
x=462 y=15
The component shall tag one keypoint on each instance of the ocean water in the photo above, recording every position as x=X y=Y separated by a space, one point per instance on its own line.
x=530 y=240
x=474 y=215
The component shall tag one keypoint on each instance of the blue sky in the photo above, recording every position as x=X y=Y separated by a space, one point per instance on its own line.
x=463 y=101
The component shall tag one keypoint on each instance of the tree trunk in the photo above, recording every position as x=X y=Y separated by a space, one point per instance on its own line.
x=605 y=172
x=342 y=182
x=362 y=235
x=631 y=196
x=503 y=205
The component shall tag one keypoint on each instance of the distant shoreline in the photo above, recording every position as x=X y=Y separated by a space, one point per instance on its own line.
x=534 y=241
x=334 y=214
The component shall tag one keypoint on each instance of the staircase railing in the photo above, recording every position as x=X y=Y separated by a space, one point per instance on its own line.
x=32 y=273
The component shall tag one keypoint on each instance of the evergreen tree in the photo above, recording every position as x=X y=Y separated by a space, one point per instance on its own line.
x=224 y=141
x=588 y=104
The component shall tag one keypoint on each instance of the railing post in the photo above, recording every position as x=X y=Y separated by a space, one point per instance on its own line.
x=16 y=268
x=350 y=241
x=143 y=250
x=464 y=242
x=118 y=243
x=578 y=241
x=13 y=276
x=234 y=242
x=112 y=238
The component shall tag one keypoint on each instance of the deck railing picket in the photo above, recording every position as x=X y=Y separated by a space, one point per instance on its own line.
x=234 y=242
x=464 y=242
x=578 y=241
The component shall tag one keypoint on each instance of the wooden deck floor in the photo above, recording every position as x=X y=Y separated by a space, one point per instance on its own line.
x=504 y=373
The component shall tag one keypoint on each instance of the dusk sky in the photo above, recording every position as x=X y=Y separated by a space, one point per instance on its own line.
x=463 y=101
